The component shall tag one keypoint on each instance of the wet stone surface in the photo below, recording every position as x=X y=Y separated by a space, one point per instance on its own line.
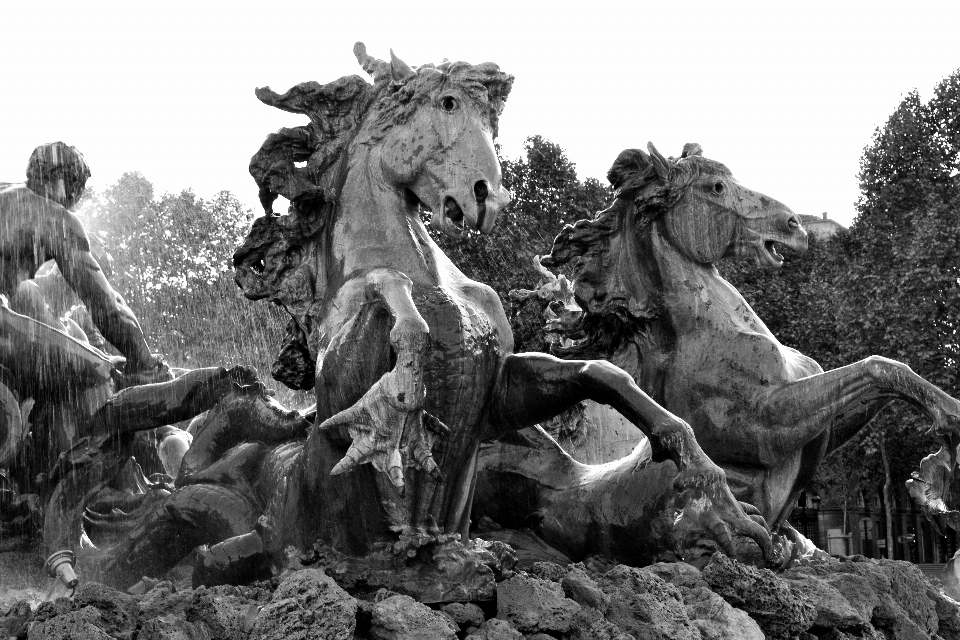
x=824 y=600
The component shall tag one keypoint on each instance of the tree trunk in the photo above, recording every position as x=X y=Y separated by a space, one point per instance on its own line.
x=887 y=497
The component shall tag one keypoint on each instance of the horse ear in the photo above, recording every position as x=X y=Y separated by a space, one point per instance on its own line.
x=400 y=71
x=631 y=163
x=691 y=149
x=660 y=164
x=375 y=68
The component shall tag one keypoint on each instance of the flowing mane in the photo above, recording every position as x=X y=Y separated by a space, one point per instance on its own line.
x=284 y=257
x=618 y=302
x=338 y=110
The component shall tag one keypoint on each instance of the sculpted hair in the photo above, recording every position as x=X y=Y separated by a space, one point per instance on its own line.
x=617 y=303
x=338 y=110
x=54 y=160
x=283 y=256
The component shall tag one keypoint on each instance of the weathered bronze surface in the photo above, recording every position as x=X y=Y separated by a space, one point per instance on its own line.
x=413 y=360
x=648 y=297
x=69 y=415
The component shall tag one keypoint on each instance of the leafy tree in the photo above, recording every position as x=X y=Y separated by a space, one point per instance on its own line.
x=893 y=282
x=171 y=260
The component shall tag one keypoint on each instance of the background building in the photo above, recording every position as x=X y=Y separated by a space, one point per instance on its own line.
x=820 y=226
x=859 y=527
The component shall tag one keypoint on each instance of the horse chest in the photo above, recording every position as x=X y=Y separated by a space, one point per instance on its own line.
x=464 y=357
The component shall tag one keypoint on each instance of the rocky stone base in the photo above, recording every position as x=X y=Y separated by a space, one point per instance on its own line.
x=831 y=599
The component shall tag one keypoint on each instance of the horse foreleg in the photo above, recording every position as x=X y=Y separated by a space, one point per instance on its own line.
x=847 y=399
x=390 y=416
x=535 y=387
x=189 y=517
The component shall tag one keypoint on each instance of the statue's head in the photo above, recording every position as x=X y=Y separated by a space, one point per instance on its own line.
x=429 y=132
x=58 y=172
x=707 y=214
x=435 y=129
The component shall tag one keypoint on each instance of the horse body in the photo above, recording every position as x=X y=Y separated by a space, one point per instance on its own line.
x=651 y=300
x=409 y=359
x=378 y=306
x=723 y=364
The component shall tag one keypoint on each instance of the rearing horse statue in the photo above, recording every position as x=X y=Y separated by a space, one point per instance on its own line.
x=650 y=300
x=413 y=364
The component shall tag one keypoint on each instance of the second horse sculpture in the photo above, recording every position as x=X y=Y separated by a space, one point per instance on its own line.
x=649 y=298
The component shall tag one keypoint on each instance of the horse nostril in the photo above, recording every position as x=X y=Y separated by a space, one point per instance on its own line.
x=793 y=222
x=480 y=190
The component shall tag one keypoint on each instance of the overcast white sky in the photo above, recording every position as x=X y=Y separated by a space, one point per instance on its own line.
x=786 y=94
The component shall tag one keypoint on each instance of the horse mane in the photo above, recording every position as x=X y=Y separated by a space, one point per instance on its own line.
x=618 y=296
x=337 y=111
x=283 y=256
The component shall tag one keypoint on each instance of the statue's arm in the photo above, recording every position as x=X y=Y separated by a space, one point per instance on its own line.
x=110 y=313
x=149 y=406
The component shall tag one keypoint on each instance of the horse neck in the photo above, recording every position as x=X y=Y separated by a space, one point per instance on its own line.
x=373 y=228
x=694 y=293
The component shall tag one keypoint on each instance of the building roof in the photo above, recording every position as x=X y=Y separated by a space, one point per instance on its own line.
x=820 y=226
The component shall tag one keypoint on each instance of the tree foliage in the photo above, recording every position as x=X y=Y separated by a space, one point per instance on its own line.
x=171 y=260
x=890 y=286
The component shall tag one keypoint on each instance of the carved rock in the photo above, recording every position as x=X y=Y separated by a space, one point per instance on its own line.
x=119 y=612
x=832 y=609
x=13 y=624
x=715 y=619
x=910 y=590
x=428 y=568
x=589 y=624
x=581 y=588
x=401 y=617
x=223 y=612
x=82 y=624
x=646 y=606
x=679 y=574
x=495 y=629
x=708 y=612
x=533 y=605
x=780 y=611
x=465 y=615
x=546 y=570
x=948 y=616
x=893 y=596
x=308 y=605
x=220 y=614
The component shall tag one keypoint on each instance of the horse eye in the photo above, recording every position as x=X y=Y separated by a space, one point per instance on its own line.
x=448 y=103
x=719 y=188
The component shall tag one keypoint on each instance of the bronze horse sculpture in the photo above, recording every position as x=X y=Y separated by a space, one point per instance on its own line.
x=413 y=364
x=649 y=298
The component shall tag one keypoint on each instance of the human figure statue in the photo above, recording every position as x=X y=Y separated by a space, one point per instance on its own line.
x=36 y=225
x=60 y=378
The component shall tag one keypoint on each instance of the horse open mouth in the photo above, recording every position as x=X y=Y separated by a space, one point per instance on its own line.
x=453 y=215
x=770 y=253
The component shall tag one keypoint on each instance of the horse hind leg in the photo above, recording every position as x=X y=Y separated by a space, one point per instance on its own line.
x=191 y=516
x=847 y=399
x=533 y=387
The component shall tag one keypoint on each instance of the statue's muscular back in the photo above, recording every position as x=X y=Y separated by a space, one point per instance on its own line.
x=33 y=230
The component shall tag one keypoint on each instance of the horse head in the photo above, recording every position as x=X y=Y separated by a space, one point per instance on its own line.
x=699 y=209
x=707 y=214
x=434 y=134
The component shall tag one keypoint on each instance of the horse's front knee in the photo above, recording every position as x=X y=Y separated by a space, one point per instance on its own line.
x=883 y=369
